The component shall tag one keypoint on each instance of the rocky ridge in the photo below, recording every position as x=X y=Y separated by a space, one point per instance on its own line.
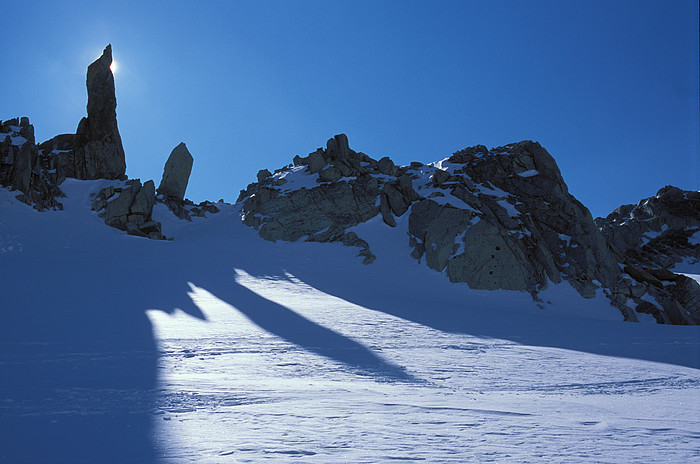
x=498 y=218
x=658 y=232
x=493 y=219
x=654 y=236
x=94 y=152
x=25 y=168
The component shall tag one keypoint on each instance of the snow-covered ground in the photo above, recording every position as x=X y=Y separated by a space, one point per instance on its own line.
x=220 y=347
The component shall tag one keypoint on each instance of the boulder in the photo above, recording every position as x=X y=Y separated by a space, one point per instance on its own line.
x=385 y=209
x=330 y=174
x=439 y=177
x=262 y=175
x=144 y=200
x=386 y=166
x=316 y=161
x=337 y=148
x=57 y=157
x=119 y=209
x=176 y=173
x=129 y=208
x=399 y=194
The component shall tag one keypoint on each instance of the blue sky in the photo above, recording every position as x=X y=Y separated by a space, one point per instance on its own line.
x=610 y=88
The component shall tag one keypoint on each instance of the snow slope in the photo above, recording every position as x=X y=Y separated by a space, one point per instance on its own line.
x=221 y=347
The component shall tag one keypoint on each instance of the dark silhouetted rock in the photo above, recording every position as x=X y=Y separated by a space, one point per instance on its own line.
x=129 y=208
x=263 y=174
x=98 y=151
x=330 y=174
x=22 y=167
x=386 y=166
x=316 y=161
x=57 y=157
x=176 y=173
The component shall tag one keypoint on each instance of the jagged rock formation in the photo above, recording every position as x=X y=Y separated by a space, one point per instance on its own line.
x=493 y=219
x=517 y=223
x=652 y=237
x=94 y=152
x=176 y=173
x=98 y=151
x=321 y=213
x=129 y=208
x=186 y=209
x=23 y=168
x=55 y=154
x=171 y=191
x=660 y=231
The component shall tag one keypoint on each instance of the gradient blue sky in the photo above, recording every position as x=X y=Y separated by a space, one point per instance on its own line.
x=610 y=88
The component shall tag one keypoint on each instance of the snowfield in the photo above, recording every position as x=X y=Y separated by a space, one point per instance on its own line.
x=219 y=347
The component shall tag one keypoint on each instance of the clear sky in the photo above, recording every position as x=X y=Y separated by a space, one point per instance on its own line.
x=610 y=87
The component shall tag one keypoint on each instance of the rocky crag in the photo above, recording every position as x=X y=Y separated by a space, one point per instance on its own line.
x=493 y=219
x=658 y=232
x=95 y=151
x=655 y=235
x=25 y=168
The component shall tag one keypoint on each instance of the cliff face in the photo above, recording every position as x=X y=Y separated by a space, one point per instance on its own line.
x=493 y=219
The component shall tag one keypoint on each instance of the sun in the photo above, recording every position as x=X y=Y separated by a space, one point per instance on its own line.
x=114 y=67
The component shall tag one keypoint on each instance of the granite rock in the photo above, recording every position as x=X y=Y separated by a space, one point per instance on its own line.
x=97 y=151
x=176 y=173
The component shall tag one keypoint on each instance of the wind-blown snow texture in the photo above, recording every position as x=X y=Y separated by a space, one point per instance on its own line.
x=220 y=347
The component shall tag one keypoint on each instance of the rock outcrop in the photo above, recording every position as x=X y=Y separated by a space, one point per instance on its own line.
x=650 y=239
x=516 y=222
x=345 y=195
x=94 y=152
x=129 y=208
x=55 y=154
x=176 y=173
x=97 y=151
x=493 y=219
x=658 y=232
x=173 y=185
x=24 y=168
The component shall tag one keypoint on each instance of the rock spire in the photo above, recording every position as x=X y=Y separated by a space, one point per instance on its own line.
x=98 y=152
x=176 y=173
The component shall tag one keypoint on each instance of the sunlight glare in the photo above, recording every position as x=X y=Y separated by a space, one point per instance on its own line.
x=114 y=67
